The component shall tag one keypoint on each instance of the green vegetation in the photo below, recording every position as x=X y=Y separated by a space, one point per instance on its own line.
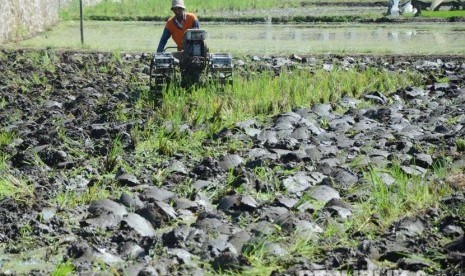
x=64 y=269
x=159 y=9
x=11 y=186
x=6 y=137
x=114 y=155
x=211 y=109
x=207 y=110
x=260 y=96
x=444 y=14
x=225 y=10
x=407 y=194
x=19 y=189
x=460 y=144
x=100 y=190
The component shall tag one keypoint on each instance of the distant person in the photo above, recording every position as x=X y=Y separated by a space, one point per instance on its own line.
x=177 y=25
x=396 y=8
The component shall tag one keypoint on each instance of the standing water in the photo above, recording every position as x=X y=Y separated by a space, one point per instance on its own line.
x=266 y=38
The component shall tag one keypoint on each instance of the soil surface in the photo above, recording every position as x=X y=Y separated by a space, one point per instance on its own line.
x=63 y=109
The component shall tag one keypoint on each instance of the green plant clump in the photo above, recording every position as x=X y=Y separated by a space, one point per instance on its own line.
x=159 y=9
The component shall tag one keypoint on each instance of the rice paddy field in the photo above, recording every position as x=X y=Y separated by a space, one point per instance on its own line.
x=337 y=147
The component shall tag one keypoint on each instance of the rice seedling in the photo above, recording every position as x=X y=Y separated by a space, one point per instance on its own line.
x=262 y=95
x=460 y=143
x=20 y=85
x=63 y=269
x=259 y=96
x=307 y=247
x=406 y=195
x=114 y=155
x=3 y=160
x=186 y=189
x=19 y=189
x=101 y=189
x=432 y=261
x=116 y=57
x=103 y=69
x=120 y=113
x=324 y=123
x=35 y=159
x=45 y=60
x=6 y=137
x=270 y=179
x=453 y=120
x=3 y=103
x=261 y=262
x=159 y=176
x=152 y=8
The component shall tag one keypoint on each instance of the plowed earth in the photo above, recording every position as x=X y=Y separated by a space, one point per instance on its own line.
x=63 y=112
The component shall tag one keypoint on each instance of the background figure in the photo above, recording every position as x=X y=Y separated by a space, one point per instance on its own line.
x=393 y=8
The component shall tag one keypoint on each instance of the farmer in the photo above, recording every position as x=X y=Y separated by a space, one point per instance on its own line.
x=177 y=25
x=175 y=28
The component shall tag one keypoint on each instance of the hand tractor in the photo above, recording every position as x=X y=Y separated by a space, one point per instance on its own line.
x=194 y=66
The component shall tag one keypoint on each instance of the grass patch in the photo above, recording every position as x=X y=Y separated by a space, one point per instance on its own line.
x=443 y=14
x=460 y=144
x=101 y=189
x=6 y=137
x=209 y=110
x=407 y=194
x=18 y=189
x=159 y=9
x=63 y=269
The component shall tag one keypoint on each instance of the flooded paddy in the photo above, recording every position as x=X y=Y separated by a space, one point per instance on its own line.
x=345 y=38
x=266 y=38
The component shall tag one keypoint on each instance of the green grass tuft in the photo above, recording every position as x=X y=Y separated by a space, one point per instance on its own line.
x=64 y=269
x=444 y=14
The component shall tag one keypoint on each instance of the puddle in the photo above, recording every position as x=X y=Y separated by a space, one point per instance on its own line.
x=267 y=38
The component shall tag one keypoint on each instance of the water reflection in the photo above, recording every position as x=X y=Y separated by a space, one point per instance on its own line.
x=418 y=38
x=394 y=35
x=397 y=38
x=285 y=34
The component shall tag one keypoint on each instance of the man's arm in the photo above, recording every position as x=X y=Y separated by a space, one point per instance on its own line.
x=196 y=24
x=163 y=40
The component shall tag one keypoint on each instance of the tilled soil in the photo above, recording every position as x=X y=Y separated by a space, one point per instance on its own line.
x=315 y=161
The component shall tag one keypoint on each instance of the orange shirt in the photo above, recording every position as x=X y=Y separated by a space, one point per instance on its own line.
x=177 y=33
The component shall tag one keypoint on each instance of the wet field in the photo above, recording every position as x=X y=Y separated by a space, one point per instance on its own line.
x=266 y=38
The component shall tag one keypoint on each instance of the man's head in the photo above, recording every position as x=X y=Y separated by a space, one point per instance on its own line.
x=177 y=4
x=178 y=8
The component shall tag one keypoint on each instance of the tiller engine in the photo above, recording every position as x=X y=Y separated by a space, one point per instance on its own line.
x=193 y=66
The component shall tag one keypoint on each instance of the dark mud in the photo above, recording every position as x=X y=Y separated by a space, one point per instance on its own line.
x=64 y=112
